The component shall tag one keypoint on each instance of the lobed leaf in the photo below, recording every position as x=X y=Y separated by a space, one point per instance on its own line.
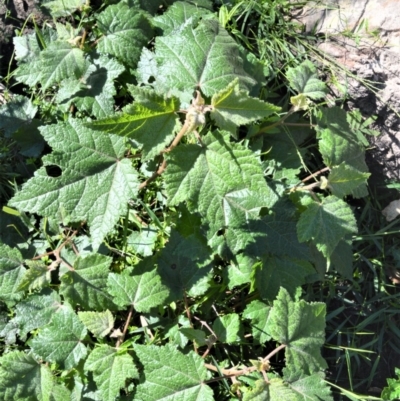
x=111 y=368
x=95 y=183
x=209 y=64
x=150 y=121
x=86 y=284
x=124 y=28
x=233 y=107
x=169 y=374
x=326 y=223
x=300 y=326
x=304 y=80
x=22 y=378
x=61 y=340
x=98 y=323
x=143 y=289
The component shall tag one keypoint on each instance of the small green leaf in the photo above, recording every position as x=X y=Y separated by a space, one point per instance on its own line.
x=61 y=60
x=11 y=273
x=198 y=336
x=124 y=28
x=142 y=289
x=304 y=80
x=301 y=327
x=258 y=313
x=179 y=15
x=308 y=387
x=169 y=374
x=34 y=312
x=61 y=340
x=326 y=223
x=392 y=391
x=345 y=180
x=150 y=121
x=143 y=242
x=15 y=114
x=62 y=8
x=111 y=368
x=227 y=327
x=223 y=182
x=185 y=266
x=86 y=284
x=276 y=272
x=239 y=271
x=36 y=277
x=233 y=107
x=98 y=323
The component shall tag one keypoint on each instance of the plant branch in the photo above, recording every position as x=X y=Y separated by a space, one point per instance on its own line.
x=128 y=321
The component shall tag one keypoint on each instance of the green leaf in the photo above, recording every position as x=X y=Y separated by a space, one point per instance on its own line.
x=337 y=142
x=326 y=223
x=61 y=60
x=35 y=312
x=309 y=388
x=342 y=258
x=392 y=391
x=227 y=328
x=62 y=8
x=95 y=89
x=11 y=273
x=124 y=28
x=61 y=340
x=223 y=182
x=233 y=107
x=304 y=80
x=275 y=234
x=180 y=15
x=150 y=121
x=86 y=284
x=36 y=277
x=98 y=323
x=15 y=114
x=26 y=47
x=142 y=289
x=185 y=266
x=210 y=63
x=239 y=271
x=144 y=241
x=170 y=374
x=276 y=272
x=22 y=378
x=300 y=326
x=95 y=182
x=275 y=390
x=258 y=313
x=345 y=180
x=198 y=336
x=111 y=368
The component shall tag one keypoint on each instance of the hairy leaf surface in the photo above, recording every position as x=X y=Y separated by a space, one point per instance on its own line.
x=61 y=340
x=95 y=183
x=210 y=64
x=300 y=326
x=111 y=368
x=172 y=375
x=326 y=223
x=124 y=28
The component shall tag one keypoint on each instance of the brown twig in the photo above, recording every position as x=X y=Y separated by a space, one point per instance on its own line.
x=128 y=321
x=229 y=373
